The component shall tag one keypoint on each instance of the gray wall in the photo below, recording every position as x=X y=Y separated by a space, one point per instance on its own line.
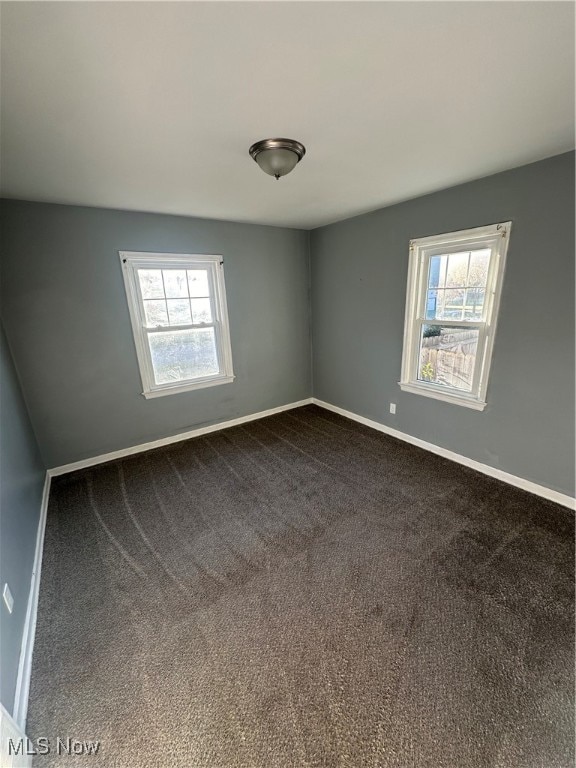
x=359 y=271
x=65 y=313
x=67 y=320
x=21 y=482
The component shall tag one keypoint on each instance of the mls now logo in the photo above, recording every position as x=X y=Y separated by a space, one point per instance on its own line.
x=46 y=746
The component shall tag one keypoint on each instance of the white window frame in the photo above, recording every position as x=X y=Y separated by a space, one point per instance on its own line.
x=494 y=236
x=131 y=261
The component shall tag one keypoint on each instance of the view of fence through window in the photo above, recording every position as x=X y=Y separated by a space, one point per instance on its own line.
x=455 y=293
x=448 y=356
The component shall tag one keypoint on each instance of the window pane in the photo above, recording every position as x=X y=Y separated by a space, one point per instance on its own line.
x=437 y=272
x=453 y=305
x=155 y=313
x=183 y=355
x=474 y=307
x=448 y=356
x=445 y=304
x=432 y=304
x=478 y=274
x=465 y=280
x=175 y=283
x=201 y=310
x=198 y=282
x=457 y=272
x=179 y=311
x=151 y=283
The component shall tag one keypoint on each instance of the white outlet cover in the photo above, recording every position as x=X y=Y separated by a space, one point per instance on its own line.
x=8 y=599
x=392 y=407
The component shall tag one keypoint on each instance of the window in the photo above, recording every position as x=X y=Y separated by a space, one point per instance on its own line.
x=454 y=285
x=178 y=310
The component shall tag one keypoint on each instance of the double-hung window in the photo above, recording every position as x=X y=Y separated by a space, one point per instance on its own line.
x=177 y=305
x=454 y=286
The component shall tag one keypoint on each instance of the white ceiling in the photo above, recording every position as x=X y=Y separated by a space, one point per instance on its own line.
x=152 y=106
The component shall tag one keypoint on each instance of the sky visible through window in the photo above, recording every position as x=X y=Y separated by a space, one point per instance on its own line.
x=457 y=285
x=175 y=296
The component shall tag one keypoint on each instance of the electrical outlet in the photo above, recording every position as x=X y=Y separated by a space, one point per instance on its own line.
x=392 y=407
x=8 y=599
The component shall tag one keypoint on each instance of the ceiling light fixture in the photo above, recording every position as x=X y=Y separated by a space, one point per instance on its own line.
x=277 y=157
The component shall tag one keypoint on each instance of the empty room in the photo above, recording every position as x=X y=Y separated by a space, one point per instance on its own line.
x=287 y=381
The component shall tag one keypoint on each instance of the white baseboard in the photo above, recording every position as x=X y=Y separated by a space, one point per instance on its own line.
x=499 y=474
x=14 y=746
x=65 y=468
x=25 y=664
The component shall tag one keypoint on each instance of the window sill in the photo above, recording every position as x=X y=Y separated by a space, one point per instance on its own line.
x=188 y=386
x=447 y=397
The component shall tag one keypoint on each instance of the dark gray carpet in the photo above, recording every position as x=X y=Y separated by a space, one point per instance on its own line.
x=298 y=592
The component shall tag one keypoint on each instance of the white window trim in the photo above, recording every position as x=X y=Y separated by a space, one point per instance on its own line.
x=495 y=236
x=131 y=261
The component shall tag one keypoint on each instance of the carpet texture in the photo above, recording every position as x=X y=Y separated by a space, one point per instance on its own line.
x=303 y=592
